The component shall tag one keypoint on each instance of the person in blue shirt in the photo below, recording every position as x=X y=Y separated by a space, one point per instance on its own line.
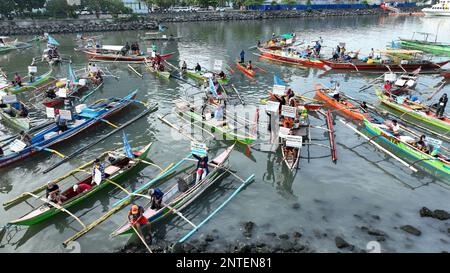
x=242 y=56
x=157 y=196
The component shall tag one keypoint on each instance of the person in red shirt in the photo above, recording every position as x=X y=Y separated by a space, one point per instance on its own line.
x=387 y=86
x=79 y=188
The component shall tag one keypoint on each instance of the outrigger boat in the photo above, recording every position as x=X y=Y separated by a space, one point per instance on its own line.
x=289 y=57
x=405 y=144
x=279 y=42
x=117 y=167
x=230 y=128
x=37 y=83
x=111 y=53
x=343 y=106
x=7 y=44
x=383 y=66
x=414 y=110
x=17 y=150
x=203 y=76
x=425 y=45
x=243 y=67
x=10 y=116
x=183 y=193
x=162 y=74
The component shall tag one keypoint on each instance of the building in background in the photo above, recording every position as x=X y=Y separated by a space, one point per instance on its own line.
x=136 y=5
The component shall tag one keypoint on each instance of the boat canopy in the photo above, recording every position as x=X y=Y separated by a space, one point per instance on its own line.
x=287 y=36
x=112 y=47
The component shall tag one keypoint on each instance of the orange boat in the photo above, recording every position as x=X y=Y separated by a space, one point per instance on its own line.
x=344 y=107
x=248 y=72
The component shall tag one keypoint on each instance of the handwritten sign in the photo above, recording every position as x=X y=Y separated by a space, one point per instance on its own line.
x=9 y=99
x=62 y=93
x=279 y=90
x=32 y=69
x=50 y=112
x=65 y=114
x=284 y=132
x=294 y=141
x=272 y=106
x=218 y=65
x=289 y=111
x=198 y=148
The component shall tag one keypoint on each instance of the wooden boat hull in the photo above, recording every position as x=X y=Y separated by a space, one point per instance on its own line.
x=38 y=82
x=57 y=101
x=347 y=109
x=45 y=212
x=119 y=58
x=421 y=116
x=425 y=159
x=180 y=200
x=430 y=47
x=9 y=159
x=445 y=74
x=274 y=55
x=249 y=73
x=199 y=76
x=383 y=67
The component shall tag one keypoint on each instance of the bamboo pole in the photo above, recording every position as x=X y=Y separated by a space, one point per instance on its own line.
x=142 y=239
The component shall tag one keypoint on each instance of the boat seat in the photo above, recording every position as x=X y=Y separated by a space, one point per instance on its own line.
x=111 y=169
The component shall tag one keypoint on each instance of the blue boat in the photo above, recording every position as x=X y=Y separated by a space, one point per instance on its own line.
x=17 y=150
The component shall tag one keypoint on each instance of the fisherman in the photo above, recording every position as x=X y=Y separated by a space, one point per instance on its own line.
x=250 y=66
x=98 y=172
x=23 y=111
x=308 y=51
x=82 y=187
x=61 y=123
x=126 y=49
x=154 y=48
x=242 y=56
x=393 y=126
x=184 y=66
x=53 y=194
x=371 y=54
x=290 y=94
x=157 y=196
x=222 y=75
x=25 y=138
x=335 y=92
x=17 y=79
x=441 y=106
x=202 y=166
x=420 y=144
x=137 y=219
x=317 y=47
x=50 y=93
x=198 y=68
x=364 y=107
x=387 y=86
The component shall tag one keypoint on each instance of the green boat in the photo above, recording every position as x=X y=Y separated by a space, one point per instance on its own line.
x=161 y=74
x=202 y=76
x=183 y=193
x=115 y=171
x=14 y=121
x=425 y=45
x=403 y=143
x=416 y=111
x=230 y=128
x=37 y=83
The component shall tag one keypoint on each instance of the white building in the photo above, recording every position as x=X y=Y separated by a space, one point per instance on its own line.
x=136 y=5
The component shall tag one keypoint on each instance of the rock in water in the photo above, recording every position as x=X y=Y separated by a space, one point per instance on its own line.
x=412 y=230
x=425 y=212
x=441 y=215
x=341 y=243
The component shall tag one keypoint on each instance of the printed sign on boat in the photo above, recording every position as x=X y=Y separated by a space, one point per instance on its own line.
x=32 y=69
x=294 y=141
x=279 y=90
x=65 y=114
x=198 y=148
x=50 y=112
x=289 y=111
x=9 y=99
x=272 y=106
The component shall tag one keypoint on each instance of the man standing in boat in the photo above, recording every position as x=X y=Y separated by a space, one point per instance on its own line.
x=202 y=166
x=441 y=106
x=242 y=56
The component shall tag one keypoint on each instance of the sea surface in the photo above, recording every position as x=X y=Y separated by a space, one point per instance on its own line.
x=364 y=188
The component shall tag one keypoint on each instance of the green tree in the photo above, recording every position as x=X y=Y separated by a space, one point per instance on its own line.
x=289 y=2
x=58 y=8
x=6 y=7
x=27 y=5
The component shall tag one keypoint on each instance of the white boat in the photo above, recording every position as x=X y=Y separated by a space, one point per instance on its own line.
x=440 y=9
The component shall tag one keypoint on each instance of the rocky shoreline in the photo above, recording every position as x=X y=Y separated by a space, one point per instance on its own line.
x=294 y=241
x=150 y=22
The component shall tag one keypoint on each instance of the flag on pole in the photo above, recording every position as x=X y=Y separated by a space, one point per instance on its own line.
x=213 y=88
x=126 y=146
x=52 y=41
x=72 y=76
x=277 y=81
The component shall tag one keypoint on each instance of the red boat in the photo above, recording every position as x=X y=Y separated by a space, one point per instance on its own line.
x=445 y=74
x=284 y=57
x=52 y=102
x=114 y=54
x=243 y=68
x=360 y=65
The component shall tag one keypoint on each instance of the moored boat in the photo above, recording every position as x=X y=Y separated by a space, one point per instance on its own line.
x=10 y=116
x=183 y=193
x=109 y=53
x=415 y=110
x=203 y=76
x=117 y=167
x=383 y=66
x=290 y=58
x=343 y=106
x=243 y=68
x=85 y=118
x=36 y=83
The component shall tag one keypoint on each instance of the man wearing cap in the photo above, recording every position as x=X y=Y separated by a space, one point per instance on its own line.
x=157 y=196
x=136 y=218
x=53 y=193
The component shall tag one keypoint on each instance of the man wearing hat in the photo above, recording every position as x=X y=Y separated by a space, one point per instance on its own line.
x=136 y=218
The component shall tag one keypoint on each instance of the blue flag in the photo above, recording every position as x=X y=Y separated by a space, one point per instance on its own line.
x=126 y=146
x=72 y=76
x=52 y=41
x=213 y=89
x=162 y=28
x=277 y=81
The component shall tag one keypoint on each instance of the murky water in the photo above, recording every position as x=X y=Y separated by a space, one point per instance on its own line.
x=333 y=198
